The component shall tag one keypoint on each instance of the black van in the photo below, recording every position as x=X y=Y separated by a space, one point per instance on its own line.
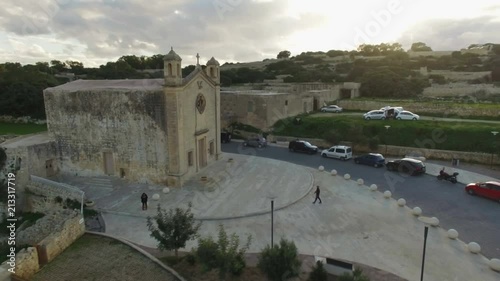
x=225 y=137
x=302 y=146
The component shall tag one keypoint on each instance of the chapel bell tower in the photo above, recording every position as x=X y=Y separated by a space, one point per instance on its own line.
x=172 y=69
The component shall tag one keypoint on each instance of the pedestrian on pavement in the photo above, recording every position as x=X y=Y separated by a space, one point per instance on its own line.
x=317 y=195
x=144 y=200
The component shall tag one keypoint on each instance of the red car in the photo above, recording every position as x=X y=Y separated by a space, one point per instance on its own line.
x=489 y=189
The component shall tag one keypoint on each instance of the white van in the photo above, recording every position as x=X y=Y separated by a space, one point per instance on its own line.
x=341 y=152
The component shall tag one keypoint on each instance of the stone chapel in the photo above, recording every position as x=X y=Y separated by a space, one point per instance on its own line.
x=161 y=131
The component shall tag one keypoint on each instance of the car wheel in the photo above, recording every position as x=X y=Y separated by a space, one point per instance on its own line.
x=375 y=165
x=414 y=119
x=356 y=161
x=399 y=118
x=343 y=158
x=323 y=155
x=245 y=144
x=471 y=192
x=383 y=118
x=367 y=118
x=260 y=145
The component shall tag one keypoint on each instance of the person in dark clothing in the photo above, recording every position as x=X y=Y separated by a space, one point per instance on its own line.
x=144 y=200
x=317 y=195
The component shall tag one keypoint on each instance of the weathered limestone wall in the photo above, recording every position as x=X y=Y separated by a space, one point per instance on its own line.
x=460 y=89
x=262 y=110
x=131 y=125
x=422 y=108
x=26 y=263
x=54 y=244
x=42 y=197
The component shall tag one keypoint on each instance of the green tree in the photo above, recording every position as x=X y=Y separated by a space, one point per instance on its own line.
x=76 y=67
x=283 y=54
x=318 y=273
x=420 y=47
x=357 y=275
x=281 y=261
x=57 y=66
x=225 y=254
x=173 y=228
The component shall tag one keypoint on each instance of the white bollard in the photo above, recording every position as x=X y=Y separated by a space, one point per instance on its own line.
x=347 y=176
x=452 y=234
x=361 y=181
x=494 y=264
x=166 y=190
x=435 y=221
x=373 y=187
x=401 y=202
x=156 y=197
x=474 y=247
x=333 y=172
x=416 y=211
x=387 y=194
x=321 y=168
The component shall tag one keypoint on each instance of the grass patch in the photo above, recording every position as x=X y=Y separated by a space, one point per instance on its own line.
x=21 y=129
x=459 y=136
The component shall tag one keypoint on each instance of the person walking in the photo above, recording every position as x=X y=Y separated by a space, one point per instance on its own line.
x=317 y=195
x=144 y=200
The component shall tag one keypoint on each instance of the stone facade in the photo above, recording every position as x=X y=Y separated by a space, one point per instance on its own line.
x=262 y=108
x=161 y=131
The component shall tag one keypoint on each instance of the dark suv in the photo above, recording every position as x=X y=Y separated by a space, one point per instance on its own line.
x=406 y=165
x=302 y=146
x=225 y=137
x=371 y=159
x=257 y=141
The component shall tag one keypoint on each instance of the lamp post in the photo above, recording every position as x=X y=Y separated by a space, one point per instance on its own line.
x=387 y=131
x=423 y=255
x=272 y=197
x=493 y=148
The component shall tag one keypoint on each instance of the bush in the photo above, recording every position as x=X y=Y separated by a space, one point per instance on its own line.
x=281 y=261
x=318 y=272
x=225 y=254
x=191 y=258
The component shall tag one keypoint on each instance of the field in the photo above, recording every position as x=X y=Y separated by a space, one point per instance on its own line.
x=459 y=136
x=21 y=129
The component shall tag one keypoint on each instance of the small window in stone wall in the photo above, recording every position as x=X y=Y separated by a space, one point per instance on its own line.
x=286 y=102
x=250 y=106
x=211 y=147
x=190 y=158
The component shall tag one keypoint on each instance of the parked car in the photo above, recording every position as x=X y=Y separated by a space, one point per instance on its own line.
x=489 y=189
x=255 y=142
x=339 y=151
x=406 y=165
x=225 y=137
x=407 y=115
x=374 y=115
x=371 y=159
x=302 y=146
x=331 y=108
x=391 y=112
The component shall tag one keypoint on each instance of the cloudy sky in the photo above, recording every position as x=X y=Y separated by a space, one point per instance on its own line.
x=97 y=31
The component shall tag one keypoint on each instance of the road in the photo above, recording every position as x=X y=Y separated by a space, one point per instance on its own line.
x=475 y=218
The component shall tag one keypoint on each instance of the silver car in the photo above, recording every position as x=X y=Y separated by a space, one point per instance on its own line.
x=331 y=108
x=374 y=115
x=255 y=142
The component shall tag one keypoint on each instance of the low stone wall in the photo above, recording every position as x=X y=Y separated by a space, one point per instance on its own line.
x=26 y=263
x=50 y=235
x=422 y=108
x=56 y=242
x=43 y=195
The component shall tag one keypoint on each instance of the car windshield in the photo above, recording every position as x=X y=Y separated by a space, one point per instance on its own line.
x=307 y=143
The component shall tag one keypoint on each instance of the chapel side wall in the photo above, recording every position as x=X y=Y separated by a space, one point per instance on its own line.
x=128 y=124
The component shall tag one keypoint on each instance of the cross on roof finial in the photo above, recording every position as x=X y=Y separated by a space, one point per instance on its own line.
x=197 y=59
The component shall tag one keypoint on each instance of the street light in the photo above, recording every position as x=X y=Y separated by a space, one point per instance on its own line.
x=423 y=255
x=493 y=148
x=387 y=130
x=272 y=197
